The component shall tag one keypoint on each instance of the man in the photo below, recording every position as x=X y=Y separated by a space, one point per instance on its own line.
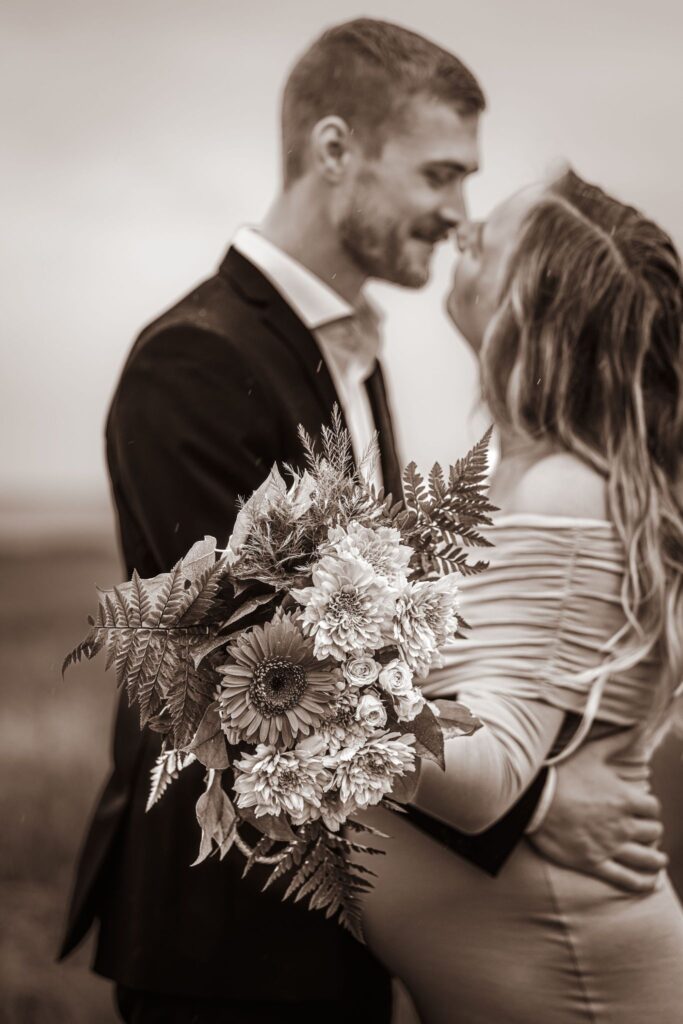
x=379 y=136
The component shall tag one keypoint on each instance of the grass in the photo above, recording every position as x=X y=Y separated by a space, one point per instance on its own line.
x=54 y=751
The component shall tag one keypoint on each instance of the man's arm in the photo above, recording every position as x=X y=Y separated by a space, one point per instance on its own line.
x=603 y=820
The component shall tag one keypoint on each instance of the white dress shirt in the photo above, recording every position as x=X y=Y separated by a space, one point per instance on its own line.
x=348 y=337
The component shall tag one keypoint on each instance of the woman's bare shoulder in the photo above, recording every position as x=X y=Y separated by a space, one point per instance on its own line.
x=560 y=484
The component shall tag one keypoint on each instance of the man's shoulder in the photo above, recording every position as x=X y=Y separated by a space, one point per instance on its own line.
x=211 y=309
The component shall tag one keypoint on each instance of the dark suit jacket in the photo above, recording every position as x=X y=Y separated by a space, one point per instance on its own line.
x=211 y=395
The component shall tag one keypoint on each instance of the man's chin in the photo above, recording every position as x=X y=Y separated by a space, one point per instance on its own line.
x=411 y=273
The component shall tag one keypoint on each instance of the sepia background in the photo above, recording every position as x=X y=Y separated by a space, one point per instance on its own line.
x=136 y=135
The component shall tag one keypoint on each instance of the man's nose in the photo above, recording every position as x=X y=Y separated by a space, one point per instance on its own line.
x=454 y=208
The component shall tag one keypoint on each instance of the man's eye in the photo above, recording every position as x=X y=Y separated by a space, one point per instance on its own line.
x=438 y=179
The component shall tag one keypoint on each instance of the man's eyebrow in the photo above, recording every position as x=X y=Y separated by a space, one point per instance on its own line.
x=454 y=165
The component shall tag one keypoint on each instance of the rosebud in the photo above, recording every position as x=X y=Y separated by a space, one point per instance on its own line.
x=408 y=706
x=361 y=671
x=396 y=678
x=371 y=712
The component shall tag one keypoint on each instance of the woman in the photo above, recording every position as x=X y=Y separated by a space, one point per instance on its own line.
x=574 y=303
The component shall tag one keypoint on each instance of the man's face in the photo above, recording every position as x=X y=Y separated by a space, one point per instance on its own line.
x=397 y=206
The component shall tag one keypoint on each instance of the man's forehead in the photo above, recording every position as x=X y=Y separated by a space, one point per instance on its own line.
x=436 y=131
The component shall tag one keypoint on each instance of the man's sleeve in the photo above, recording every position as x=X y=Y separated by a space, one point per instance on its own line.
x=192 y=429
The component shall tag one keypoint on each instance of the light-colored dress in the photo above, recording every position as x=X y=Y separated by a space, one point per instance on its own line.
x=539 y=944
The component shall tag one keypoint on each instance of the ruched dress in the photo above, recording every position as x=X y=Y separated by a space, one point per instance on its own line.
x=538 y=944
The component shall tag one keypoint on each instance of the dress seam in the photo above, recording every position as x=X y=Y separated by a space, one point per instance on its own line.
x=566 y=930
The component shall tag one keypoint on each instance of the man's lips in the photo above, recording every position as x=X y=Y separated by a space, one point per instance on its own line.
x=430 y=238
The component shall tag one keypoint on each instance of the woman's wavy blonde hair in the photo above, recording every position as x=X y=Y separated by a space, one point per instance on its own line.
x=586 y=349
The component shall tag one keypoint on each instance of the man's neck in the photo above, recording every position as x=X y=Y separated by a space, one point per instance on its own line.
x=300 y=226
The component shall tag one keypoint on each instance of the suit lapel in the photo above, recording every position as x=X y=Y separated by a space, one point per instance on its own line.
x=280 y=319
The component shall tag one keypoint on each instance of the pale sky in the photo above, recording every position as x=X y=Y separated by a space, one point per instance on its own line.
x=138 y=134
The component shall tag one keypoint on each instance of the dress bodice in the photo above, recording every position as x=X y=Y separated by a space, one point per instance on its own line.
x=548 y=623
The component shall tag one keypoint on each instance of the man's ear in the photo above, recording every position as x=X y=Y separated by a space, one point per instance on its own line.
x=331 y=148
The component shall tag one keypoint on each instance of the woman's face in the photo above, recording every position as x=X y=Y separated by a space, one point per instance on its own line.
x=485 y=248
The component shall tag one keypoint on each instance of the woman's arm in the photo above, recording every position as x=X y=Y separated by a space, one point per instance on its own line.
x=486 y=773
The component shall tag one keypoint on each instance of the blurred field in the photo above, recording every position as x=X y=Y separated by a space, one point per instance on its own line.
x=54 y=743
x=54 y=749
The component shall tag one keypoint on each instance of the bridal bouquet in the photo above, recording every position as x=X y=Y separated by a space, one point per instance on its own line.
x=287 y=663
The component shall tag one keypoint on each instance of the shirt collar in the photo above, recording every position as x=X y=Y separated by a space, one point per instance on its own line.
x=314 y=302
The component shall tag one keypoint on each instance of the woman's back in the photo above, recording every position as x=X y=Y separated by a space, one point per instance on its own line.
x=556 y=941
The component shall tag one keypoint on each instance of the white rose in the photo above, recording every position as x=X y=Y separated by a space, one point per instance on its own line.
x=396 y=678
x=361 y=671
x=371 y=712
x=408 y=706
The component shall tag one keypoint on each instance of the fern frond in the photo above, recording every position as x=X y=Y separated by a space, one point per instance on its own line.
x=414 y=488
x=166 y=768
x=87 y=648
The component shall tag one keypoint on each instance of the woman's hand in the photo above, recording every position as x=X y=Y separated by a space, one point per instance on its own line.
x=603 y=819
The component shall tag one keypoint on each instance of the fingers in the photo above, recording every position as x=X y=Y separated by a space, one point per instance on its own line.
x=610 y=746
x=643 y=805
x=625 y=878
x=646 y=831
x=641 y=858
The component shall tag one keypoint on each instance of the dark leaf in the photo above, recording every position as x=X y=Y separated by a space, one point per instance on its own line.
x=405 y=787
x=217 y=819
x=428 y=736
x=457 y=717
x=208 y=743
x=275 y=828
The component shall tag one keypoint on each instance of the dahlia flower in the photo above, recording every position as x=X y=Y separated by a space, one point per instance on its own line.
x=341 y=727
x=364 y=775
x=335 y=812
x=348 y=610
x=282 y=781
x=426 y=617
x=379 y=546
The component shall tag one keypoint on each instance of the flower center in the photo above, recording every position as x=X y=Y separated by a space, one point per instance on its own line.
x=276 y=686
x=374 y=765
x=344 y=603
x=287 y=779
x=343 y=714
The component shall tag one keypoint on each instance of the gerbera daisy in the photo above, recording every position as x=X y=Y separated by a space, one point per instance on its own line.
x=274 y=688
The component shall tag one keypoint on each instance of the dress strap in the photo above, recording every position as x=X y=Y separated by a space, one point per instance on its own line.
x=586 y=723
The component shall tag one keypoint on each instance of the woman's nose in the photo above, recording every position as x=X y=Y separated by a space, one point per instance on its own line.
x=464 y=235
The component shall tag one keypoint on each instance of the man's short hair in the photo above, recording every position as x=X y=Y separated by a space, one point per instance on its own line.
x=366 y=72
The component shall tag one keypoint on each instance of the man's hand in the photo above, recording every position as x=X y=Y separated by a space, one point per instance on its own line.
x=603 y=819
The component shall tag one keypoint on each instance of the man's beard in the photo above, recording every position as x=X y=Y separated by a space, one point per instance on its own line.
x=377 y=244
